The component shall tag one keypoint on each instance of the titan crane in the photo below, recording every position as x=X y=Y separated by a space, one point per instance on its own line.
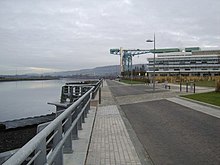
x=126 y=57
x=127 y=54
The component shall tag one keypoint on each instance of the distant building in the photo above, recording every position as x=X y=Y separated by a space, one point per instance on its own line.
x=190 y=62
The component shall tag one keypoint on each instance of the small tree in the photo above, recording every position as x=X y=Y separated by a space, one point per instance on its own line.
x=217 y=89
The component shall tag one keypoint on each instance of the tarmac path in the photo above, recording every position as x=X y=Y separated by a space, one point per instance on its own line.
x=169 y=132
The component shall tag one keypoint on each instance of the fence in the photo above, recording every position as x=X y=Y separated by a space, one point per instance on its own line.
x=48 y=145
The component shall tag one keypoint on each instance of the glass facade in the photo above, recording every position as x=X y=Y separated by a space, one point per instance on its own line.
x=186 y=63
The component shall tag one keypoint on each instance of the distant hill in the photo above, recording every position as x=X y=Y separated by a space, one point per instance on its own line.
x=112 y=70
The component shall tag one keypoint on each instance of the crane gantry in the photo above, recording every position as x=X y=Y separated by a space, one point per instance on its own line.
x=127 y=54
x=126 y=57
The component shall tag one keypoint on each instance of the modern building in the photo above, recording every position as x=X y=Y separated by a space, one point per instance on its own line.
x=189 y=62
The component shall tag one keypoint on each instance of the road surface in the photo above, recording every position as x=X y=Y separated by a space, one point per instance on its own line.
x=169 y=132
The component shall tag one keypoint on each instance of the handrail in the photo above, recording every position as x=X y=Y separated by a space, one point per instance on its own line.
x=97 y=86
x=38 y=143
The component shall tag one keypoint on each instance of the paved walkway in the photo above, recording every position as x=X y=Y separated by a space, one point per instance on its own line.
x=207 y=109
x=110 y=143
x=146 y=93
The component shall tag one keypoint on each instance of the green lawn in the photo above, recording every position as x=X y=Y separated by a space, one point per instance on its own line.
x=206 y=83
x=210 y=97
x=132 y=82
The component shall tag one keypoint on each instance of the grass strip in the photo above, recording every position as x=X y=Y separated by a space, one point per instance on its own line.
x=132 y=82
x=210 y=97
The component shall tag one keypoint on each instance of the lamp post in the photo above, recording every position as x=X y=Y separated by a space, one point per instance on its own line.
x=154 y=62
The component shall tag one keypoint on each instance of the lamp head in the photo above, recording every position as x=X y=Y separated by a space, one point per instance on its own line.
x=149 y=40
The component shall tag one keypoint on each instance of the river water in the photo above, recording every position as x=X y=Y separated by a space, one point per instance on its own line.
x=23 y=99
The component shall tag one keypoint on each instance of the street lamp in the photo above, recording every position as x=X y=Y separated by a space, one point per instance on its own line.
x=154 y=62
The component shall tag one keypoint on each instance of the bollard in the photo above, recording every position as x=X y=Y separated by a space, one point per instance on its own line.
x=194 y=89
x=187 y=87
x=180 y=87
x=191 y=87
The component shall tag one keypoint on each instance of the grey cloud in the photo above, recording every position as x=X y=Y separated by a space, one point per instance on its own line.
x=75 y=34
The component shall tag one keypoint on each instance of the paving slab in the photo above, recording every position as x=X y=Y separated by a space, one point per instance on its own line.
x=110 y=142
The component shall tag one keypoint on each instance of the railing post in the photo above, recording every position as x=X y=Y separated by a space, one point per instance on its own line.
x=83 y=117
x=75 y=132
x=100 y=97
x=42 y=157
x=75 y=128
x=68 y=143
x=84 y=113
x=88 y=107
x=79 y=123
x=71 y=94
x=59 y=158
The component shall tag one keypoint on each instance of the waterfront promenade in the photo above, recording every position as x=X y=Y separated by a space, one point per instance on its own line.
x=110 y=143
x=133 y=125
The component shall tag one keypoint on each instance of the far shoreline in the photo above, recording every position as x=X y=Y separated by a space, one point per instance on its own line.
x=28 y=79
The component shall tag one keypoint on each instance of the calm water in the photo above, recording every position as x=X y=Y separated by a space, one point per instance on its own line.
x=28 y=98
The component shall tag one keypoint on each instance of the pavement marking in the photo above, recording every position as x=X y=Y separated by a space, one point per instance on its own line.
x=198 y=107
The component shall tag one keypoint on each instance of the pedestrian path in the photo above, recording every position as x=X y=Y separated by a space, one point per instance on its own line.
x=198 y=106
x=110 y=142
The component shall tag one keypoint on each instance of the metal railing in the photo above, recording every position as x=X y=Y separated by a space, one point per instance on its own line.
x=74 y=90
x=48 y=145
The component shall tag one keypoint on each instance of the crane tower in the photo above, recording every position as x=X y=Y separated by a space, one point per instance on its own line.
x=126 y=57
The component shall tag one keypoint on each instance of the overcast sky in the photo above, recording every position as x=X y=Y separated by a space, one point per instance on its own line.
x=51 y=35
